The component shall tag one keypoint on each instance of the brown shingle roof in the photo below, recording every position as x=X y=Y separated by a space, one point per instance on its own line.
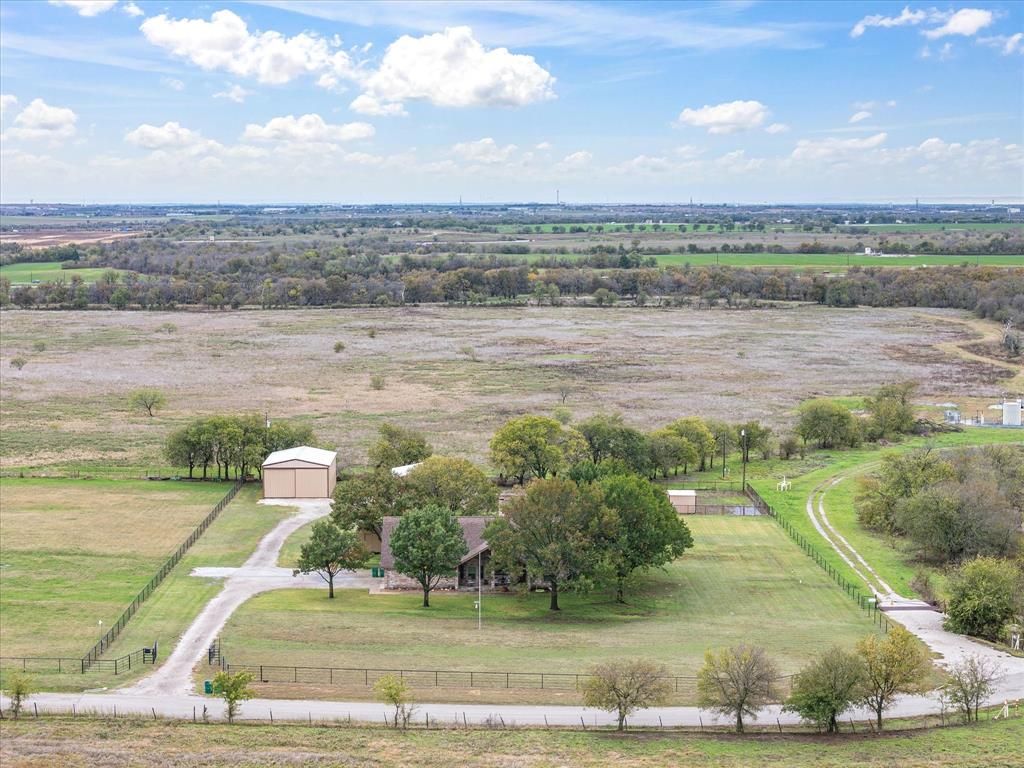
x=472 y=532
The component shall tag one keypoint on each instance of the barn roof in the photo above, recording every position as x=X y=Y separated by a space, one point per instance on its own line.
x=472 y=532
x=304 y=453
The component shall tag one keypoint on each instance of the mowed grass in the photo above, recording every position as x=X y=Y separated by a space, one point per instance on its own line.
x=744 y=581
x=76 y=552
x=49 y=271
x=80 y=742
x=889 y=557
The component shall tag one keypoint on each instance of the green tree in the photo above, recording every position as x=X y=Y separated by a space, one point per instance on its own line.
x=890 y=410
x=667 y=451
x=394 y=691
x=364 y=500
x=983 y=596
x=828 y=424
x=329 y=551
x=757 y=438
x=902 y=476
x=737 y=682
x=725 y=439
x=970 y=684
x=456 y=484
x=896 y=663
x=696 y=431
x=18 y=689
x=529 y=445
x=626 y=686
x=234 y=689
x=398 y=447
x=826 y=688
x=147 y=399
x=555 y=532
x=607 y=437
x=647 y=531
x=428 y=545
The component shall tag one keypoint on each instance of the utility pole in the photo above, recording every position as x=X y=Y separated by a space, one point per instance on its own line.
x=743 y=457
x=479 y=591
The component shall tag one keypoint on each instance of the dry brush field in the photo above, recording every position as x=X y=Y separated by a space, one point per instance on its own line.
x=455 y=373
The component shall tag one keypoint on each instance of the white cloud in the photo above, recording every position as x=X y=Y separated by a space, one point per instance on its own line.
x=726 y=118
x=1007 y=45
x=575 y=160
x=7 y=102
x=738 y=162
x=40 y=121
x=777 y=128
x=452 y=69
x=544 y=146
x=225 y=43
x=306 y=129
x=87 y=7
x=173 y=83
x=966 y=22
x=833 y=148
x=235 y=93
x=943 y=54
x=856 y=117
x=132 y=9
x=907 y=16
x=170 y=135
x=484 y=151
x=365 y=104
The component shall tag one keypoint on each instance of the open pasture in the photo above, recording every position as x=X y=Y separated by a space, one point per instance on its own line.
x=68 y=406
x=74 y=553
x=821 y=261
x=744 y=581
x=50 y=271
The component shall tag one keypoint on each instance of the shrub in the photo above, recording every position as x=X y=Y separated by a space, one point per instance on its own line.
x=377 y=381
x=39 y=346
x=982 y=597
x=339 y=346
x=18 y=362
x=826 y=688
x=18 y=689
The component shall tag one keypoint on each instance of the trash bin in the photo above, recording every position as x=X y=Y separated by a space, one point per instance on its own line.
x=207 y=687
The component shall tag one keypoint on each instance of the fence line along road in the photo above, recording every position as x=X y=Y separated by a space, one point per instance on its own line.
x=433 y=678
x=62 y=665
x=111 y=634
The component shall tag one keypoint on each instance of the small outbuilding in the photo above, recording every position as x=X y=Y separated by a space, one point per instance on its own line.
x=685 y=502
x=300 y=473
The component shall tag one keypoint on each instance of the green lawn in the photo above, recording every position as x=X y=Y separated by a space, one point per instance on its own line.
x=887 y=556
x=48 y=271
x=743 y=581
x=171 y=608
x=75 y=552
x=139 y=742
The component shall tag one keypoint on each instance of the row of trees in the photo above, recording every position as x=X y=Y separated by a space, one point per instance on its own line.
x=311 y=278
x=739 y=682
x=232 y=445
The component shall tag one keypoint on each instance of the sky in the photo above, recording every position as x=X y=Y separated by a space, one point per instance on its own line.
x=336 y=102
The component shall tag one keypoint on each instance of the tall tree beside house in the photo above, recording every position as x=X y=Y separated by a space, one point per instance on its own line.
x=397 y=447
x=696 y=431
x=556 y=532
x=329 y=551
x=364 y=500
x=456 y=484
x=647 y=532
x=529 y=446
x=427 y=545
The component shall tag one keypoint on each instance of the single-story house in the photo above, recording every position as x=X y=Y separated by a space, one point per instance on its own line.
x=685 y=502
x=474 y=565
x=300 y=473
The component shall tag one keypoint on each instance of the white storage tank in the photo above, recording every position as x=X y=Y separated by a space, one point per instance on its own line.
x=1011 y=413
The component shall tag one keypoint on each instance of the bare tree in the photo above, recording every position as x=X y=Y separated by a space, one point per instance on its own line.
x=625 y=686
x=970 y=683
x=737 y=681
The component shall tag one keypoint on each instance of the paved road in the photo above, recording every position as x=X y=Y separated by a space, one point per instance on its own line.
x=260 y=573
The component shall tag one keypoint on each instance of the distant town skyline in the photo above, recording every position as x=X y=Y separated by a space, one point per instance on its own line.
x=430 y=102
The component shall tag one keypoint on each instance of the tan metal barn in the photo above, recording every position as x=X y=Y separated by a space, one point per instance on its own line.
x=300 y=473
x=685 y=502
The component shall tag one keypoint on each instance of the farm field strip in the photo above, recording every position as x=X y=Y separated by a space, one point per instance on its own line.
x=49 y=271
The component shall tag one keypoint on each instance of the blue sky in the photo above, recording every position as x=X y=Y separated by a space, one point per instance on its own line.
x=505 y=101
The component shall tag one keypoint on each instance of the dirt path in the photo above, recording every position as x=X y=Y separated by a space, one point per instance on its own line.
x=916 y=615
x=260 y=573
x=989 y=332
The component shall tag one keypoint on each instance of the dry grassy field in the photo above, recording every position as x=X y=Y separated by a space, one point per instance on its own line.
x=455 y=373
